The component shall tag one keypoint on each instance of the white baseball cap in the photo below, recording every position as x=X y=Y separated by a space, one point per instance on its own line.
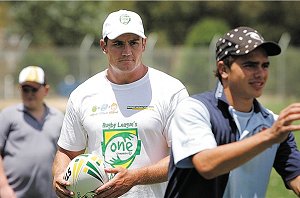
x=32 y=74
x=121 y=22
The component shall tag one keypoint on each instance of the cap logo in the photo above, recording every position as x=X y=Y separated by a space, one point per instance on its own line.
x=254 y=36
x=125 y=19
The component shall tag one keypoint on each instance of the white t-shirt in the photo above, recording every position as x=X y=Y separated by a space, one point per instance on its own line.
x=127 y=124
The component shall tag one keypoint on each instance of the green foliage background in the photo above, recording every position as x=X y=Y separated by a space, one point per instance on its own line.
x=54 y=66
x=63 y=22
x=182 y=24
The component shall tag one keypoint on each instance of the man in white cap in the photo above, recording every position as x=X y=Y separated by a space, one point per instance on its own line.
x=122 y=114
x=28 y=136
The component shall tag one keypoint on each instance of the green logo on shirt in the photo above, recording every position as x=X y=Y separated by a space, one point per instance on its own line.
x=120 y=146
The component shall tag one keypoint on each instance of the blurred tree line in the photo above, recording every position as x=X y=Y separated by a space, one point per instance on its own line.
x=192 y=23
x=57 y=28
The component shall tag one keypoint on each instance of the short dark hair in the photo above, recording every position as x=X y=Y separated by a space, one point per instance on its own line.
x=228 y=60
x=105 y=40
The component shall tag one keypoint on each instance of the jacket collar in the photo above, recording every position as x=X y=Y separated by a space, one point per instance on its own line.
x=220 y=96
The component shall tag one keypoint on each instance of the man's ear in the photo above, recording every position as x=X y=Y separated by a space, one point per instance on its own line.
x=222 y=69
x=47 y=88
x=144 y=42
x=103 y=46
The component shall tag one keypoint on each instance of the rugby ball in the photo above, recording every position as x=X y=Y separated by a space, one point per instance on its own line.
x=85 y=174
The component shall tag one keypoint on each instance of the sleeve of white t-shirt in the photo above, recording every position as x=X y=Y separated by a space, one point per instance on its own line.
x=191 y=131
x=73 y=136
x=175 y=100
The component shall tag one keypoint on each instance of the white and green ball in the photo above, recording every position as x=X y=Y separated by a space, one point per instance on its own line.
x=85 y=174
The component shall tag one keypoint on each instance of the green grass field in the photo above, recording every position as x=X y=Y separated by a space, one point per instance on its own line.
x=276 y=187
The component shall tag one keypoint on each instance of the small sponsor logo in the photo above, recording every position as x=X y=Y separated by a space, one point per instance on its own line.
x=255 y=36
x=125 y=19
x=104 y=109
x=140 y=108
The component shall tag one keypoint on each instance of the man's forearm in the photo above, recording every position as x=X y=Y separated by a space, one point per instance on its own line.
x=294 y=184
x=60 y=163
x=155 y=173
x=62 y=160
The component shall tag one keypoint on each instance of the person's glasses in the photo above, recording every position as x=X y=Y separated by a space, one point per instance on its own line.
x=29 y=89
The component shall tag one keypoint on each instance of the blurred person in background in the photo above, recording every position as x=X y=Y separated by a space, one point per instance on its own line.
x=224 y=142
x=28 y=140
x=128 y=104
